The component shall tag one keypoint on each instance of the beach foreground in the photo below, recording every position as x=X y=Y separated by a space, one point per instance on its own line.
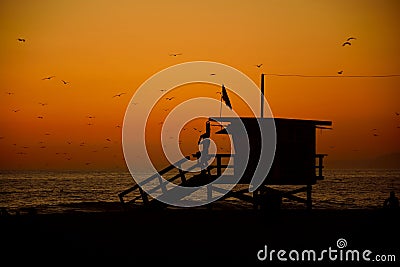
x=191 y=236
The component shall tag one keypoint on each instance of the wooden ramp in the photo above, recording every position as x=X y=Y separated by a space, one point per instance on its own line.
x=264 y=197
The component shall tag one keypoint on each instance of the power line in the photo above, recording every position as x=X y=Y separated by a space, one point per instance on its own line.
x=332 y=76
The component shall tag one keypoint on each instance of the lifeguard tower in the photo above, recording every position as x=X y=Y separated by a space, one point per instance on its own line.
x=295 y=164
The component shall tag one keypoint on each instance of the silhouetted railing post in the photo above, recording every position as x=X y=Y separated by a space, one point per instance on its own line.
x=218 y=165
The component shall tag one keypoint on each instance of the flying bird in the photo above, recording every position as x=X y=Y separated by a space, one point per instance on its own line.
x=40 y=117
x=42 y=104
x=15 y=110
x=120 y=94
x=21 y=40
x=258 y=65
x=108 y=139
x=212 y=74
x=65 y=82
x=376 y=134
x=9 y=93
x=91 y=117
x=170 y=98
x=48 y=78
x=174 y=55
x=351 y=38
x=340 y=72
x=346 y=43
x=397 y=114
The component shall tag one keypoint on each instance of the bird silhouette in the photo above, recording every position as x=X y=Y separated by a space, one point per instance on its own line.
x=91 y=117
x=212 y=74
x=119 y=95
x=376 y=134
x=174 y=55
x=346 y=43
x=170 y=98
x=40 y=117
x=42 y=104
x=48 y=78
x=258 y=65
x=9 y=93
x=15 y=110
x=351 y=38
x=108 y=139
x=397 y=114
x=340 y=72
x=65 y=82
x=21 y=40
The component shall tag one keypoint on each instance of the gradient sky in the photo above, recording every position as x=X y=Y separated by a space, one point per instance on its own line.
x=103 y=48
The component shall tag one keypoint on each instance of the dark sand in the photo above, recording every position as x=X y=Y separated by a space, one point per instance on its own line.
x=190 y=236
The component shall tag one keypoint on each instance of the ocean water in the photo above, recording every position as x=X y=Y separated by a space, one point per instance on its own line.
x=49 y=192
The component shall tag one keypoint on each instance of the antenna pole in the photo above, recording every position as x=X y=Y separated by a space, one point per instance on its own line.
x=262 y=95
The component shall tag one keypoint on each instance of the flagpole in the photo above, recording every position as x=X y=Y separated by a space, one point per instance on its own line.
x=220 y=105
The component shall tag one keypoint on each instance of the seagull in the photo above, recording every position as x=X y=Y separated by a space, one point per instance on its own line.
x=9 y=93
x=170 y=98
x=119 y=94
x=351 y=38
x=212 y=74
x=43 y=104
x=108 y=139
x=340 y=72
x=258 y=65
x=65 y=82
x=174 y=55
x=40 y=117
x=48 y=78
x=15 y=110
x=21 y=40
x=346 y=43
x=91 y=117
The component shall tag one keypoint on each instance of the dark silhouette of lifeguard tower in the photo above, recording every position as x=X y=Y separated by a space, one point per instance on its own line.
x=295 y=164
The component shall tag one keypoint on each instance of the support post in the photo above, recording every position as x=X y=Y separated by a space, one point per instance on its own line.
x=309 y=198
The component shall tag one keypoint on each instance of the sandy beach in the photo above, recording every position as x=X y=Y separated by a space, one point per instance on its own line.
x=190 y=236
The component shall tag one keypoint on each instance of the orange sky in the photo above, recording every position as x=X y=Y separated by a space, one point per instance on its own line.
x=103 y=48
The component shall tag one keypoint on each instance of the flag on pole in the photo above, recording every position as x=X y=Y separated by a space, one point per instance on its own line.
x=225 y=97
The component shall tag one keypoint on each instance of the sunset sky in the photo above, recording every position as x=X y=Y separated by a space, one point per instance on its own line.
x=104 y=48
